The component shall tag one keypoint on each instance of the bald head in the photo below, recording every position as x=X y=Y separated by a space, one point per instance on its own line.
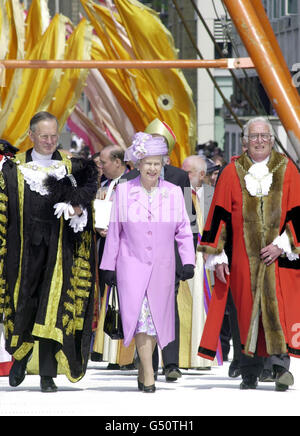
x=112 y=161
x=196 y=167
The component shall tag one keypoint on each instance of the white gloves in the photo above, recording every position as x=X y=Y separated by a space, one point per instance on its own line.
x=77 y=223
x=63 y=208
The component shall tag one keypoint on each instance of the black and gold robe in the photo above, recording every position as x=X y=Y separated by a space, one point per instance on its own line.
x=64 y=309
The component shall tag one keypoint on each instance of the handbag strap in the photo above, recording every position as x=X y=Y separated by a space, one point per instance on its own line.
x=114 y=297
x=110 y=190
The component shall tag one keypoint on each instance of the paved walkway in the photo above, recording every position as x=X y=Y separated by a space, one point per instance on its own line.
x=110 y=394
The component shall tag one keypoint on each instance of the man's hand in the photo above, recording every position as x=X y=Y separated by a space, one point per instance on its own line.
x=77 y=210
x=102 y=232
x=222 y=270
x=270 y=253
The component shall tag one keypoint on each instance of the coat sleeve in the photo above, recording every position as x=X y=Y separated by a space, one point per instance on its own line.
x=183 y=234
x=214 y=320
x=3 y=238
x=292 y=220
x=217 y=230
x=112 y=242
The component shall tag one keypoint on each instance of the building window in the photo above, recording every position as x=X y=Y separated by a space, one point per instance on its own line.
x=292 y=6
x=233 y=144
x=280 y=8
x=275 y=11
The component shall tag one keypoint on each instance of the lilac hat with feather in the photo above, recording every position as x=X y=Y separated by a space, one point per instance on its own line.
x=144 y=145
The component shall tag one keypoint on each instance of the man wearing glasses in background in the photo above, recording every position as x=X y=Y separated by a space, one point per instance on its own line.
x=48 y=264
x=254 y=219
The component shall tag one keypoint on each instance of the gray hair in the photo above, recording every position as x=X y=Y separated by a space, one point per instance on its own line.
x=255 y=120
x=197 y=161
x=164 y=161
x=41 y=116
x=114 y=152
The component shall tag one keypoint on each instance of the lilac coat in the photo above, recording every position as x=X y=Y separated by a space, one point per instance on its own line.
x=140 y=248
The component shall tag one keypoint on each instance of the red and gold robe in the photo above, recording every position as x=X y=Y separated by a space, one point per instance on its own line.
x=267 y=298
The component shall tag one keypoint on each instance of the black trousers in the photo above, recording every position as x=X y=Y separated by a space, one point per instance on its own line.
x=35 y=276
x=234 y=328
x=255 y=365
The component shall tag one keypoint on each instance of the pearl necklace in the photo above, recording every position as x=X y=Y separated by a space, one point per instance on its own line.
x=150 y=193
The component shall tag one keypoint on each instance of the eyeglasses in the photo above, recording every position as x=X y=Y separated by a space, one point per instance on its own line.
x=253 y=137
x=51 y=138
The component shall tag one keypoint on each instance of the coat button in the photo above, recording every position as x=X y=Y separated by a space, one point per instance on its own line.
x=149 y=248
x=149 y=233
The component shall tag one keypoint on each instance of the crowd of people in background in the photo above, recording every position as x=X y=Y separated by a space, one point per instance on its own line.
x=57 y=293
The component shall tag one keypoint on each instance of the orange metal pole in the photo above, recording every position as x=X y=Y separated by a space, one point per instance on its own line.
x=263 y=18
x=135 y=64
x=272 y=75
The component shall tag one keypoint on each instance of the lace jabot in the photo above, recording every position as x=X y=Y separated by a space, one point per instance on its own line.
x=34 y=173
x=258 y=180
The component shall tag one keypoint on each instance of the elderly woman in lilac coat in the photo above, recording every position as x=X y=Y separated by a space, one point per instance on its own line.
x=148 y=215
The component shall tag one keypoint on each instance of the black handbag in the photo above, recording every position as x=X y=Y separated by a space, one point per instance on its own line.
x=112 y=322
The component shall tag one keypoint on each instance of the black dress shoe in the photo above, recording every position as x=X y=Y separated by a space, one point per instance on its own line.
x=96 y=357
x=128 y=367
x=234 y=369
x=267 y=375
x=249 y=382
x=17 y=371
x=47 y=384
x=149 y=389
x=113 y=366
x=140 y=385
x=172 y=373
x=283 y=379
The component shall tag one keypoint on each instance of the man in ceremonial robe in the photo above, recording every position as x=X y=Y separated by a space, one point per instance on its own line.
x=254 y=218
x=6 y=151
x=47 y=257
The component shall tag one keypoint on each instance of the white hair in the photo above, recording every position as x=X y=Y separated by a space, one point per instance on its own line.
x=164 y=160
x=197 y=161
x=255 y=120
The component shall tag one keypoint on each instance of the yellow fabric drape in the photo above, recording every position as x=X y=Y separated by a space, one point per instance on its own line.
x=37 y=22
x=72 y=81
x=37 y=86
x=4 y=42
x=33 y=90
x=144 y=94
x=119 y=89
x=4 y=30
x=122 y=82
x=173 y=97
x=14 y=36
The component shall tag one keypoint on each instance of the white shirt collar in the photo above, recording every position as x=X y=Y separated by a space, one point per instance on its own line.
x=265 y=161
x=40 y=157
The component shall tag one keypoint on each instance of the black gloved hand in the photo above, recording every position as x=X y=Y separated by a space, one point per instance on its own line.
x=110 y=278
x=187 y=272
